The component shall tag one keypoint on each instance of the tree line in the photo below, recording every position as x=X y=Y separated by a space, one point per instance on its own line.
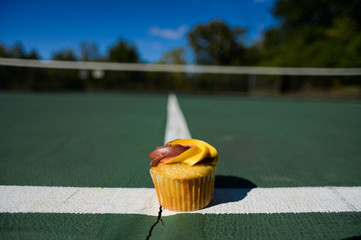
x=319 y=33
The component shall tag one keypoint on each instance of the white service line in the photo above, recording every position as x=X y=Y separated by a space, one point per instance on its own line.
x=143 y=201
x=176 y=127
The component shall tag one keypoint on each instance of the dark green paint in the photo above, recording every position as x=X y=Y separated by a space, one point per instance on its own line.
x=279 y=142
x=86 y=140
x=183 y=226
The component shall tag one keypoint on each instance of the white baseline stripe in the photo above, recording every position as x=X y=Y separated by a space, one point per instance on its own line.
x=176 y=127
x=33 y=199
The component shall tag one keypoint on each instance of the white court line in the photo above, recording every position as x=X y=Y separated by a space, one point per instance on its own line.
x=176 y=126
x=143 y=201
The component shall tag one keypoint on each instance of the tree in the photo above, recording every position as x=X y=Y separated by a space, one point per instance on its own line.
x=174 y=80
x=297 y=14
x=3 y=50
x=122 y=51
x=17 y=51
x=64 y=55
x=64 y=78
x=216 y=43
x=313 y=33
x=174 y=56
x=20 y=77
x=317 y=33
x=32 y=55
x=89 y=51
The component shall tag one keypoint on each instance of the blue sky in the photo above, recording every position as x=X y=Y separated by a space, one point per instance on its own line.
x=155 y=27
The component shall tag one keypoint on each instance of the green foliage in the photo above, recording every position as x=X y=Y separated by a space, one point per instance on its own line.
x=64 y=79
x=173 y=81
x=296 y=14
x=122 y=51
x=2 y=50
x=17 y=51
x=89 y=51
x=19 y=78
x=174 y=56
x=320 y=33
x=64 y=55
x=216 y=43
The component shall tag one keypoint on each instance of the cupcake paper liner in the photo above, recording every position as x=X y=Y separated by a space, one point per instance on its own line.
x=182 y=195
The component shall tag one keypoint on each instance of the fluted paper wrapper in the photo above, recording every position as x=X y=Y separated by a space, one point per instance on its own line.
x=182 y=195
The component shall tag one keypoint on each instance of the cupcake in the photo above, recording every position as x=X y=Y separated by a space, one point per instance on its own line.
x=183 y=173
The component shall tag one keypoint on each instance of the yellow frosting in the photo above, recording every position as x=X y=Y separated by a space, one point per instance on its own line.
x=199 y=151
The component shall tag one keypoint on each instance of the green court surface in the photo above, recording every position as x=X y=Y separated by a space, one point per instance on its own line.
x=280 y=143
x=85 y=140
x=103 y=140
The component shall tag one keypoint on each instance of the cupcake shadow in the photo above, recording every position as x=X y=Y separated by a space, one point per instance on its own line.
x=230 y=189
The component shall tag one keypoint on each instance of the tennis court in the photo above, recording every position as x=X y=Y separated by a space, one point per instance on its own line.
x=98 y=144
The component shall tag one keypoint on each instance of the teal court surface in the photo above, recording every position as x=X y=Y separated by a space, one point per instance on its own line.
x=76 y=166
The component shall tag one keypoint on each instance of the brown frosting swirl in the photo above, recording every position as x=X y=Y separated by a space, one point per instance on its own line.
x=166 y=152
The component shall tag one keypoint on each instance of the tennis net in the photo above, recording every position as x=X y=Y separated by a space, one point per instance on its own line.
x=79 y=75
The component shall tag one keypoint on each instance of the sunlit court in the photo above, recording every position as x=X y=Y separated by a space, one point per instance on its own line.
x=90 y=115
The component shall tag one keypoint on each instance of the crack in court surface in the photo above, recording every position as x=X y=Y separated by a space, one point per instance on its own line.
x=159 y=219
